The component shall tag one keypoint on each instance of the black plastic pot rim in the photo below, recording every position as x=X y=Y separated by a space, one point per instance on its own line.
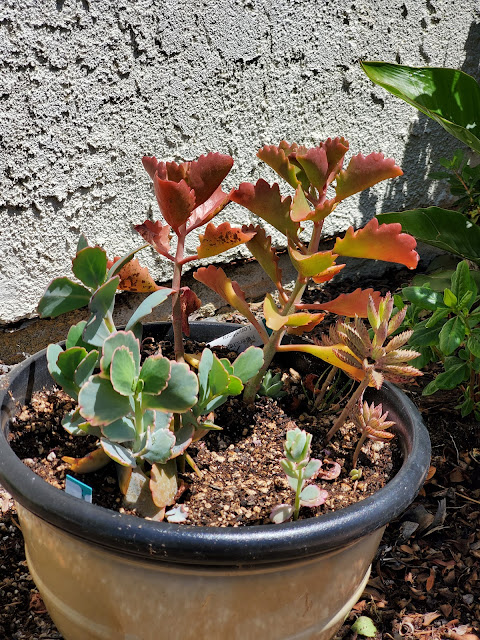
x=209 y=546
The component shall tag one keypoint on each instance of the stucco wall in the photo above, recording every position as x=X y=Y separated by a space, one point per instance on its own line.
x=89 y=86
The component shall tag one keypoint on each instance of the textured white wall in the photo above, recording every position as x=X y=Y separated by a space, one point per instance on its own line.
x=89 y=86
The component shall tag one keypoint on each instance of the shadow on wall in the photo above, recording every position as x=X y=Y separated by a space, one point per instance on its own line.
x=427 y=143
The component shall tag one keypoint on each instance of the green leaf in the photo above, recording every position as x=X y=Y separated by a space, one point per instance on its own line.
x=121 y=430
x=100 y=404
x=85 y=368
x=119 y=454
x=466 y=407
x=456 y=371
x=90 y=266
x=461 y=281
x=82 y=242
x=204 y=368
x=452 y=335
x=437 y=316
x=441 y=228
x=218 y=379
x=248 y=363
x=120 y=339
x=154 y=373
x=75 y=425
x=101 y=307
x=423 y=297
x=423 y=336
x=160 y=449
x=145 y=308
x=449 y=299
x=122 y=371
x=180 y=394
x=74 y=337
x=67 y=363
x=449 y=96
x=364 y=626
x=473 y=344
x=426 y=356
x=62 y=295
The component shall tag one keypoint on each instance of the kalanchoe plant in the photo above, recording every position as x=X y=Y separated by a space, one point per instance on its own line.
x=371 y=424
x=299 y=469
x=146 y=414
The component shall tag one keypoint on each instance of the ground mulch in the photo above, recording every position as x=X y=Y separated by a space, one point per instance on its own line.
x=425 y=581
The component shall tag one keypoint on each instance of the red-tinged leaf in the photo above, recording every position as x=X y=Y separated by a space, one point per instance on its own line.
x=206 y=174
x=363 y=172
x=175 y=199
x=336 y=150
x=320 y=212
x=134 y=277
x=208 y=210
x=216 y=279
x=276 y=321
x=328 y=355
x=315 y=165
x=385 y=242
x=352 y=304
x=313 y=264
x=91 y=462
x=174 y=171
x=277 y=158
x=151 y=165
x=189 y=303
x=328 y=274
x=306 y=328
x=300 y=209
x=156 y=234
x=219 y=239
x=265 y=201
x=260 y=246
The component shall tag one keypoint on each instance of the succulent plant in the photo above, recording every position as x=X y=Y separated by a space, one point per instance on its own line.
x=145 y=414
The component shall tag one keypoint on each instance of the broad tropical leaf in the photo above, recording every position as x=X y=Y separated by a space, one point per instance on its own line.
x=449 y=96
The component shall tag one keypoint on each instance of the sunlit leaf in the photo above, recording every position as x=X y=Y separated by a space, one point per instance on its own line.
x=260 y=246
x=311 y=264
x=276 y=321
x=163 y=483
x=449 y=96
x=101 y=307
x=122 y=371
x=207 y=173
x=180 y=394
x=352 y=304
x=62 y=295
x=328 y=274
x=385 y=242
x=155 y=372
x=100 y=404
x=175 y=199
x=276 y=157
x=216 y=240
x=146 y=307
x=265 y=201
x=91 y=462
x=363 y=172
x=208 y=210
x=155 y=234
x=90 y=266
x=134 y=277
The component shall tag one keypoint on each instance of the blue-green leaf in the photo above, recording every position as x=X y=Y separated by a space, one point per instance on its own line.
x=248 y=363
x=147 y=306
x=122 y=371
x=90 y=266
x=100 y=404
x=62 y=295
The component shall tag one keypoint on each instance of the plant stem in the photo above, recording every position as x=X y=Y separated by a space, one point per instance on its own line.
x=358 y=448
x=176 y=302
x=270 y=349
x=325 y=385
x=297 y=496
x=348 y=407
x=138 y=421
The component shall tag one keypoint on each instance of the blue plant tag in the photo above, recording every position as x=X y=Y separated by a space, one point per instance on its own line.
x=78 y=489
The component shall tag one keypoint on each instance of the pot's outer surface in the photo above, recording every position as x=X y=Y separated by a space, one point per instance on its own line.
x=107 y=575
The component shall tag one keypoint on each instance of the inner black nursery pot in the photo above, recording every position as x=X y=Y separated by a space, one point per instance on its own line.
x=110 y=576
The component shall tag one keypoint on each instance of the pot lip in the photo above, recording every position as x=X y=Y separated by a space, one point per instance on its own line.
x=209 y=546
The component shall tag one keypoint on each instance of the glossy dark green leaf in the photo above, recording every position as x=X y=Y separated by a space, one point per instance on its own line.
x=456 y=372
x=437 y=316
x=63 y=295
x=449 y=96
x=423 y=297
x=462 y=283
x=473 y=344
x=451 y=335
x=423 y=336
x=90 y=266
x=441 y=228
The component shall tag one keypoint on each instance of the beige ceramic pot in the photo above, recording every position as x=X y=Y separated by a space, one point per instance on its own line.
x=109 y=576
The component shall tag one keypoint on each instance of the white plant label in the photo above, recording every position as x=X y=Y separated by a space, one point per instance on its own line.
x=239 y=340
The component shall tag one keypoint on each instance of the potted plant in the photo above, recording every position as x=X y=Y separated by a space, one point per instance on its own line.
x=103 y=574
